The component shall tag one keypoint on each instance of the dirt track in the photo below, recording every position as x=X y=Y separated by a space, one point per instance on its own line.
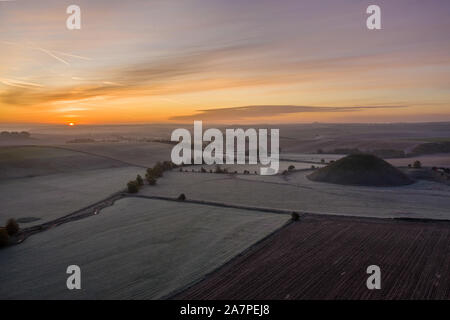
x=88 y=211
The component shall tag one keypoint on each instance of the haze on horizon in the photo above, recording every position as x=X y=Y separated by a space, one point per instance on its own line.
x=224 y=61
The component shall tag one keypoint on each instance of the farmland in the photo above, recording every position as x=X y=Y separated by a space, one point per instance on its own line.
x=423 y=199
x=431 y=160
x=326 y=258
x=32 y=161
x=251 y=168
x=143 y=247
x=41 y=183
x=134 y=153
x=49 y=197
x=136 y=249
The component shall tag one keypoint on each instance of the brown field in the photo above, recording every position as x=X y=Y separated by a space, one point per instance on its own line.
x=326 y=258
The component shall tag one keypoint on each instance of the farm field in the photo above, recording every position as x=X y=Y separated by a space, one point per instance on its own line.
x=432 y=160
x=327 y=257
x=423 y=199
x=438 y=160
x=311 y=157
x=142 y=248
x=31 y=161
x=49 y=197
x=136 y=249
x=144 y=154
x=253 y=151
x=284 y=165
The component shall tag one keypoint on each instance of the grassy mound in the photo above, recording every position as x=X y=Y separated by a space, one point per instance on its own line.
x=361 y=169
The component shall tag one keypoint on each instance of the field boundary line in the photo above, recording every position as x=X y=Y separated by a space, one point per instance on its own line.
x=218 y=204
x=283 y=211
x=98 y=206
x=253 y=247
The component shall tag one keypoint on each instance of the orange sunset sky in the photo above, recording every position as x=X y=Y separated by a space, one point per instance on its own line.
x=224 y=61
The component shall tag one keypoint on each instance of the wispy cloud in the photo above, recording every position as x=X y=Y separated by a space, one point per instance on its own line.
x=71 y=109
x=51 y=53
x=175 y=74
x=19 y=83
x=54 y=56
x=249 y=112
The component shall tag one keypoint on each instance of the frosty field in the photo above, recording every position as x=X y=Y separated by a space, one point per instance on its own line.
x=52 y=196
x=313 y=157
x=429 y=160
x=136 y=249
x=239 y=168
x=136 y=153
x=32 y=161
x=423 y=199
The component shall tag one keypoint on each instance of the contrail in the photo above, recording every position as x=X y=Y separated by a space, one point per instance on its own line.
x=51 y=53
x=19 y=83
x=71 y=55
x=54 y=56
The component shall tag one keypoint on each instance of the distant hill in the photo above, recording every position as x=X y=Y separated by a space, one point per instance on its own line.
x=431 y=148
x=361 y=169
x=382 y=153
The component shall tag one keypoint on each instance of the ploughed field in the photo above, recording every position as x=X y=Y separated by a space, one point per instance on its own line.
x=324 y=257
x=135 y=249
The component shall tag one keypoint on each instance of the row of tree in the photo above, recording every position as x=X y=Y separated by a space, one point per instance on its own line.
x=151 y=176
x=219 y=170
x=416 y=165
x=15 y=134
x=11 y=229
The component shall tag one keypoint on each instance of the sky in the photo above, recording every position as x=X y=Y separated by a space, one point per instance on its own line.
x=225 y=61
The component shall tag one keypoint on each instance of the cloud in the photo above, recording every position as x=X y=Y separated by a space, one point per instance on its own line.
x=188 y=63
x=19 y=83
x=248 y=112
x=52 y=53
x=187 y=72
x=197 y=70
